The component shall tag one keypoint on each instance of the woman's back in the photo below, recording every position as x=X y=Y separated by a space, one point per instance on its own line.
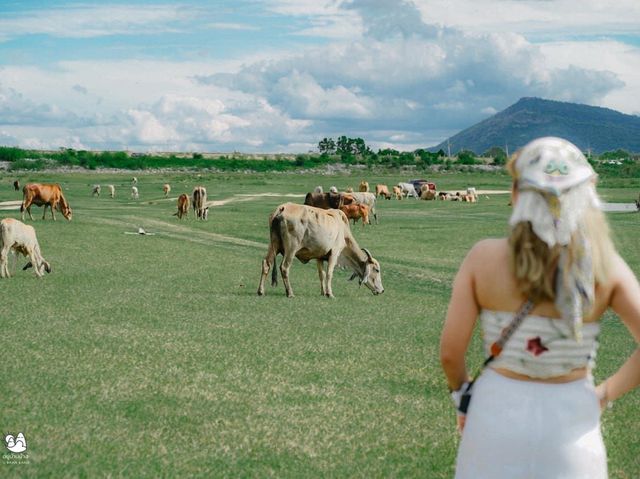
x=496 y=289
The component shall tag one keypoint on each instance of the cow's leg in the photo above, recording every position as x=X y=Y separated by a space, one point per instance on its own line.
x=37 y=265
x=4 y=262
x=267 y=263
x=321 y=275
x=53 y=213
x=284 y=271
x=331 y=264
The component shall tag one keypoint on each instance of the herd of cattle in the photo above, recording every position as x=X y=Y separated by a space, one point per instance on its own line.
x=319 y=229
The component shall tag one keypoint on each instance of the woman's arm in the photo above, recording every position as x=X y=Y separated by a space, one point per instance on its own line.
x=461 y=317
x=625 y=301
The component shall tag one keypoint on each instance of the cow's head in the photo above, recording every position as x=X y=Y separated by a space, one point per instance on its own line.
x=372 y=278
x=67 y=212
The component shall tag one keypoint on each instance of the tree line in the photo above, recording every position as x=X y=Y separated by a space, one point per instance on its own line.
x=344 y=150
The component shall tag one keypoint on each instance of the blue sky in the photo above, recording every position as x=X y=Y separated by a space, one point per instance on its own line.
x=279 y=75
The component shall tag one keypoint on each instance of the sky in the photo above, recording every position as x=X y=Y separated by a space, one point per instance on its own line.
x=269 y=76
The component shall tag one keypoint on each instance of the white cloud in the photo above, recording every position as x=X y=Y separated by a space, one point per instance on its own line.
x=84 y=21
x=231 y=26
x=399 y=74
x=533 y=17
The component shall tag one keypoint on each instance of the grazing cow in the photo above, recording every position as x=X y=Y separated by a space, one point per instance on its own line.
x=324 y=235
x=323 y=200
x=443 y=195
x=427 y=194
x=363 y=187
x=199 y=203
x=318 y=189
x=16 y=185
x=355 y=211
x=349 y=189
x=96 y=190
x=135 y=194
x=44 y=194
x=333 y=189
x=21 y=238
x=383 y=190
x=472 y=191
x=408 y=190
x=183 y=206
x=397 y=192
x=166 y=188
x=112 y=191
x=134 y=181
x=365 y=198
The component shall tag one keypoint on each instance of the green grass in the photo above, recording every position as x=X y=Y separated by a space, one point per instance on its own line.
x=152 y=356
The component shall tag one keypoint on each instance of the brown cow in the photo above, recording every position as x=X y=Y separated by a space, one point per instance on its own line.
x=323 y=200
x=397 y=192
x=355 y=211
x=16 y=185
x=427 y=193
x=44 y=194
x=383 y=190
x=183 y=206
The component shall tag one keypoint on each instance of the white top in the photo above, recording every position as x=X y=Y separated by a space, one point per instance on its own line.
x=541 y=347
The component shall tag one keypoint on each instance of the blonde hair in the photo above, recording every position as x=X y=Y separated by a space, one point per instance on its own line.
x=534 y=264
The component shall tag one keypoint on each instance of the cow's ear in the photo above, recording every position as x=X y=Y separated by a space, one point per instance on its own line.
x=367 y=272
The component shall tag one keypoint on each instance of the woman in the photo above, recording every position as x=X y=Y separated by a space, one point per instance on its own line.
x=535 y=411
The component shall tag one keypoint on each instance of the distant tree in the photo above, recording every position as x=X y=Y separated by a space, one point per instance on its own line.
x=467 y=157
x=327 y=145
x=615 y=155
x=343 y=146
x=498 y=154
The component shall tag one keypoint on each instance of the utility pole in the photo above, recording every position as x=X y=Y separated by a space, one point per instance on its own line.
x=448 y=149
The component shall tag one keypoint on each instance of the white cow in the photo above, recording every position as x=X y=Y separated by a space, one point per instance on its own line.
x=134 y=193
x=408 y=190
x=96 y=190
x=21 y=238
x=318 y=189
x=199 y=203
x=166 y=188
x=307 y=233
x=112 y=191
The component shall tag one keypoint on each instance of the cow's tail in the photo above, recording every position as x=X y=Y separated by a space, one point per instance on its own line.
x=275 y=227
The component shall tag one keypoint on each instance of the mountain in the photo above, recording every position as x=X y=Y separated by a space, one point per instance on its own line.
x=589 y=127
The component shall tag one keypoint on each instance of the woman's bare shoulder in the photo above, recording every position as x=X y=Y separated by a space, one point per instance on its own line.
x=489 y=246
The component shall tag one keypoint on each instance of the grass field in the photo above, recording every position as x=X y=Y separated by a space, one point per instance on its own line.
x=152 y=356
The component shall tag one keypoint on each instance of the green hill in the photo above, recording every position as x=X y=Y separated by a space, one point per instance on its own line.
x=589 y=127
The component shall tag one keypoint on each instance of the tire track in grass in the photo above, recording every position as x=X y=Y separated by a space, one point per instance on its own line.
x=186 y=233
x=177 y=231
